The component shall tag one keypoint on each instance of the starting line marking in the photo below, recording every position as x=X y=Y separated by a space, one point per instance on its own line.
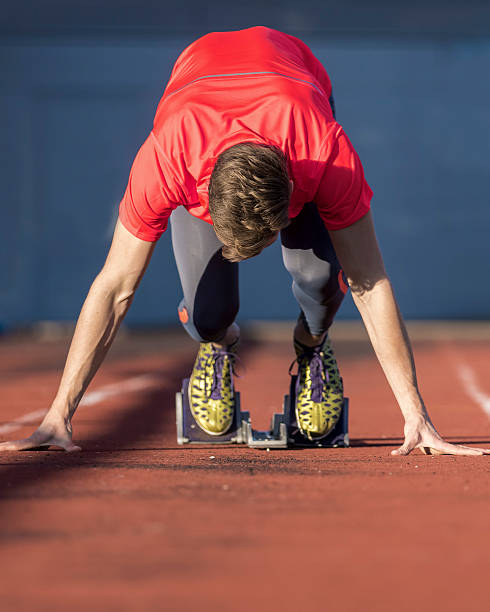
x=471 y=387
x=138 y=383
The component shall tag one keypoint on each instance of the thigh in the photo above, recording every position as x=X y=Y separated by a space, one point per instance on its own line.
x=309 y=238
x=318 y=281
x=194 y=244
x=209 y=281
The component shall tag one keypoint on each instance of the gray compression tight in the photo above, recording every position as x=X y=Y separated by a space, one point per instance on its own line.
x=210 y=282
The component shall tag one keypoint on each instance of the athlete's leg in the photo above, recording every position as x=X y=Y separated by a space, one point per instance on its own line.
x=209 y=282
x=318 y=282
x=319 y=287
x=208 y=311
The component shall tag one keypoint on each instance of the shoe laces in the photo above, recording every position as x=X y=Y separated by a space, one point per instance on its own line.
x=217 y=361
x=318 y=371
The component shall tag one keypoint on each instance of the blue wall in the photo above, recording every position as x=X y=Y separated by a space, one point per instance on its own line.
x=72 y=117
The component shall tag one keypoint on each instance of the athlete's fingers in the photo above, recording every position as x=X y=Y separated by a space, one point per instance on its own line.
x=71 y=448
x=441 y=448
x=456 y=449
x=64 y=443
x=405 y=449
x=484 y=451
x=17 y=445
x=452 y=449
x=34 y=442
x=461 y=450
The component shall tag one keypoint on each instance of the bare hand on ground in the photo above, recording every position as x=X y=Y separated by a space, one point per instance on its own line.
x=47 y=434
x=422 y=434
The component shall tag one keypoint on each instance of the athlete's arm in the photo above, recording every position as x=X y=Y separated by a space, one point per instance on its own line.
x=106 y=304
x=360 y=257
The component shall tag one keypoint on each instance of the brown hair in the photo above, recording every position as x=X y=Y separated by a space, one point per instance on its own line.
x=248 y=198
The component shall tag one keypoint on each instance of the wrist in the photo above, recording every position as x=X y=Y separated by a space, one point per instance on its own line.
x=59 y=412
x=414 y=410
x=416 y=419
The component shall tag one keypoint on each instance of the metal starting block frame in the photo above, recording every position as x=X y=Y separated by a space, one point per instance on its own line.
x=284 y=431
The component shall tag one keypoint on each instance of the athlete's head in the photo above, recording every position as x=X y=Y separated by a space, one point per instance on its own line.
x=249 y=195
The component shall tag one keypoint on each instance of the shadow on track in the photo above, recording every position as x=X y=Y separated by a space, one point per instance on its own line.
x=150 y=419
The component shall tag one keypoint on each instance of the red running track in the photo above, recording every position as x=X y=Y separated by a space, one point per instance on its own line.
x=135 y=522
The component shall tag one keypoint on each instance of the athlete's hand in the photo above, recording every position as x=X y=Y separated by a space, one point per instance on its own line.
x=422 y=434
x=49 y=433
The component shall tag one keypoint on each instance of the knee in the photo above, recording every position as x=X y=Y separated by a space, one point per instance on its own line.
x=314 y=276
x=212 y=320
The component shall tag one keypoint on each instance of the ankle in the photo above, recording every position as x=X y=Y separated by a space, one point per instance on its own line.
x=231 y=337
x=305 y=338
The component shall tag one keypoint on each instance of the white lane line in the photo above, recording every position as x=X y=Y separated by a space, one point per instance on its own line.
x=138 y=383
x=471 y=387
x=23 y=420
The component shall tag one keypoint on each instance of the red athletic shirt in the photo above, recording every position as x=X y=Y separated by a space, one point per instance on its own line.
x=256 y=85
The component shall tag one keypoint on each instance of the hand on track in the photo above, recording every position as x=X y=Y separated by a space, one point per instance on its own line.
x=47 y=434
x=423 y=435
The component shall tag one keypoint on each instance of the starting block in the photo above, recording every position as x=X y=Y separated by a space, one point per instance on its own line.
x=284 y=431
x=339 y=436
x=189 y=432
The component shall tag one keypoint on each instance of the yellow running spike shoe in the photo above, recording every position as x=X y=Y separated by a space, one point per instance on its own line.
x=319 y=390
x=211 y=392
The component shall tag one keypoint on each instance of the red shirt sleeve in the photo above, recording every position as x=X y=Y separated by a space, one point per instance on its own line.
x=343 y=196
x=146 y=205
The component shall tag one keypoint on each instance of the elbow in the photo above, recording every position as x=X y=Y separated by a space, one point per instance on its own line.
x=118 y=290
x=124 y=297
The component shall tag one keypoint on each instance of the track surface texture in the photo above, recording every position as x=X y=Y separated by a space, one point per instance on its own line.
x=134 y=522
